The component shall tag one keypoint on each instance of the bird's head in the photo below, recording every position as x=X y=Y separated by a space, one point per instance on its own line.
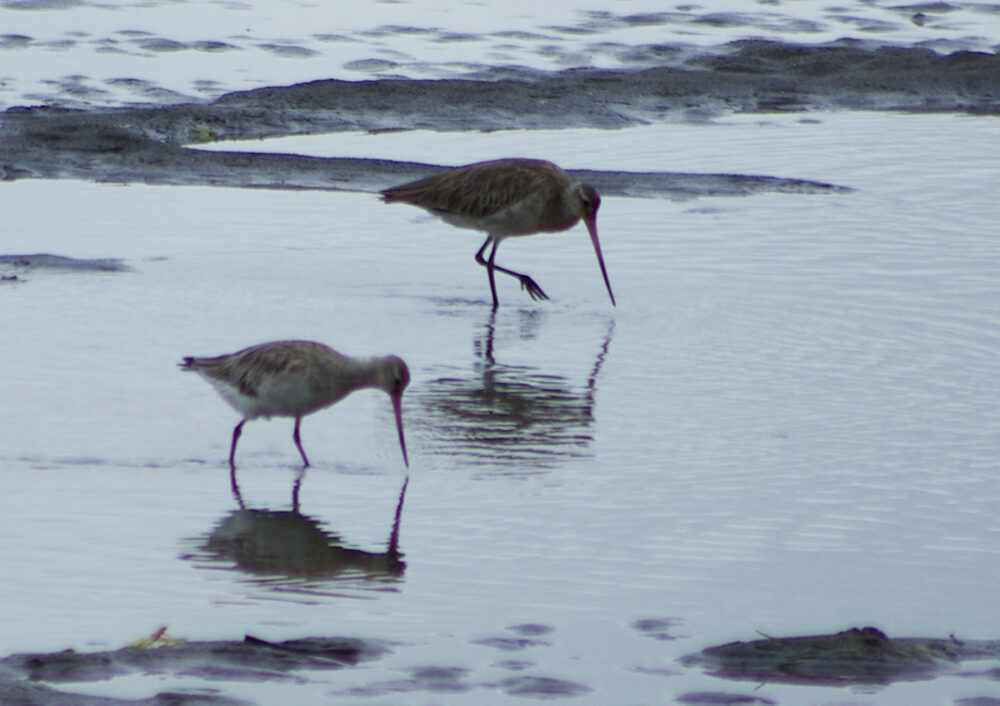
x=589 y=201
x=394 y=376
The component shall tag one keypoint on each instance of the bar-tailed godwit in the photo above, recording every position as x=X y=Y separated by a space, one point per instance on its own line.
x=296 y=378
x=504 y=198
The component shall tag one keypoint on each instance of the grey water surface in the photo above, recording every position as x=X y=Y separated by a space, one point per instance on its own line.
x=788 y=425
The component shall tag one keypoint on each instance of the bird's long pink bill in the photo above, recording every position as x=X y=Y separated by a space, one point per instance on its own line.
x=592 y=228
x=397 y=408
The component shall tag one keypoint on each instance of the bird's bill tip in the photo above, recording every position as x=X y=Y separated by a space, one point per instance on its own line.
x=591 y=223
x=397 y=408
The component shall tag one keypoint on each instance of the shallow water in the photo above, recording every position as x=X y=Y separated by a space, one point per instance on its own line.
x=789 y=423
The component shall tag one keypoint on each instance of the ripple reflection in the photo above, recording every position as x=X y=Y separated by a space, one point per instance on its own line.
x=514 y=415
x=287 y=550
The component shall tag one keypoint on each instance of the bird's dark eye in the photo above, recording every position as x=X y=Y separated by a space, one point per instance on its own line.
x=589 y=198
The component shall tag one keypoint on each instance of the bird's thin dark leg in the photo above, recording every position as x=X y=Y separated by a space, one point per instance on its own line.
x=298 y=442
x=232 y=449
x=489 y=268
x=232 y=463
x=527 y=284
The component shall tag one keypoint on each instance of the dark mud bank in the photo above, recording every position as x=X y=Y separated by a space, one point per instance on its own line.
x=32 y=678
x=856 y=656
x=148 y=144
x=50 y=679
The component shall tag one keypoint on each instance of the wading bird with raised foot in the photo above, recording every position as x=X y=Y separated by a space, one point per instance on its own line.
x=296 y=378
x=506 y=198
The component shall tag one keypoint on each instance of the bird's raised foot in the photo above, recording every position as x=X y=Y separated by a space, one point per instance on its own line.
x=531 y=287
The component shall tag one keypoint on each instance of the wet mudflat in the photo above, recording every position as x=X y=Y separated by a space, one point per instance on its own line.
x=153 y=145
x=788 y=425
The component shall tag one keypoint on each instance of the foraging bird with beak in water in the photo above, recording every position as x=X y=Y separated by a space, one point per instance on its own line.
x=296 y=378
x=505 y=198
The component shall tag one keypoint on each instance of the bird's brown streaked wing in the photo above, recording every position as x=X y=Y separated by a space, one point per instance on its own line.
x=479 y=190
x=245 y=369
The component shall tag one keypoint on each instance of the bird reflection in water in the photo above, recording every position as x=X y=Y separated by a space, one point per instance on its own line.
x=277 y=545
x=514 y=415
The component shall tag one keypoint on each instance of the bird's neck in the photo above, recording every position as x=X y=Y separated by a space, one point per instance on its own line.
x=561 y=213
x=367 y=372
x=350 y=375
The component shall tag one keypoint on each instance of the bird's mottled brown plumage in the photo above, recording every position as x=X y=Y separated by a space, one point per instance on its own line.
x=481 y=190
x=246 y=369
x=296 y=378
x=506 y=197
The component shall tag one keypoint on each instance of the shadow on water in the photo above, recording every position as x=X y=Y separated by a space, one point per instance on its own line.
x=275 y=546
x=513 y=415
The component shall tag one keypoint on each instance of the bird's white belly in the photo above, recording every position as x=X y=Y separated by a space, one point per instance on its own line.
x=281 y=396
x=516 y=219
